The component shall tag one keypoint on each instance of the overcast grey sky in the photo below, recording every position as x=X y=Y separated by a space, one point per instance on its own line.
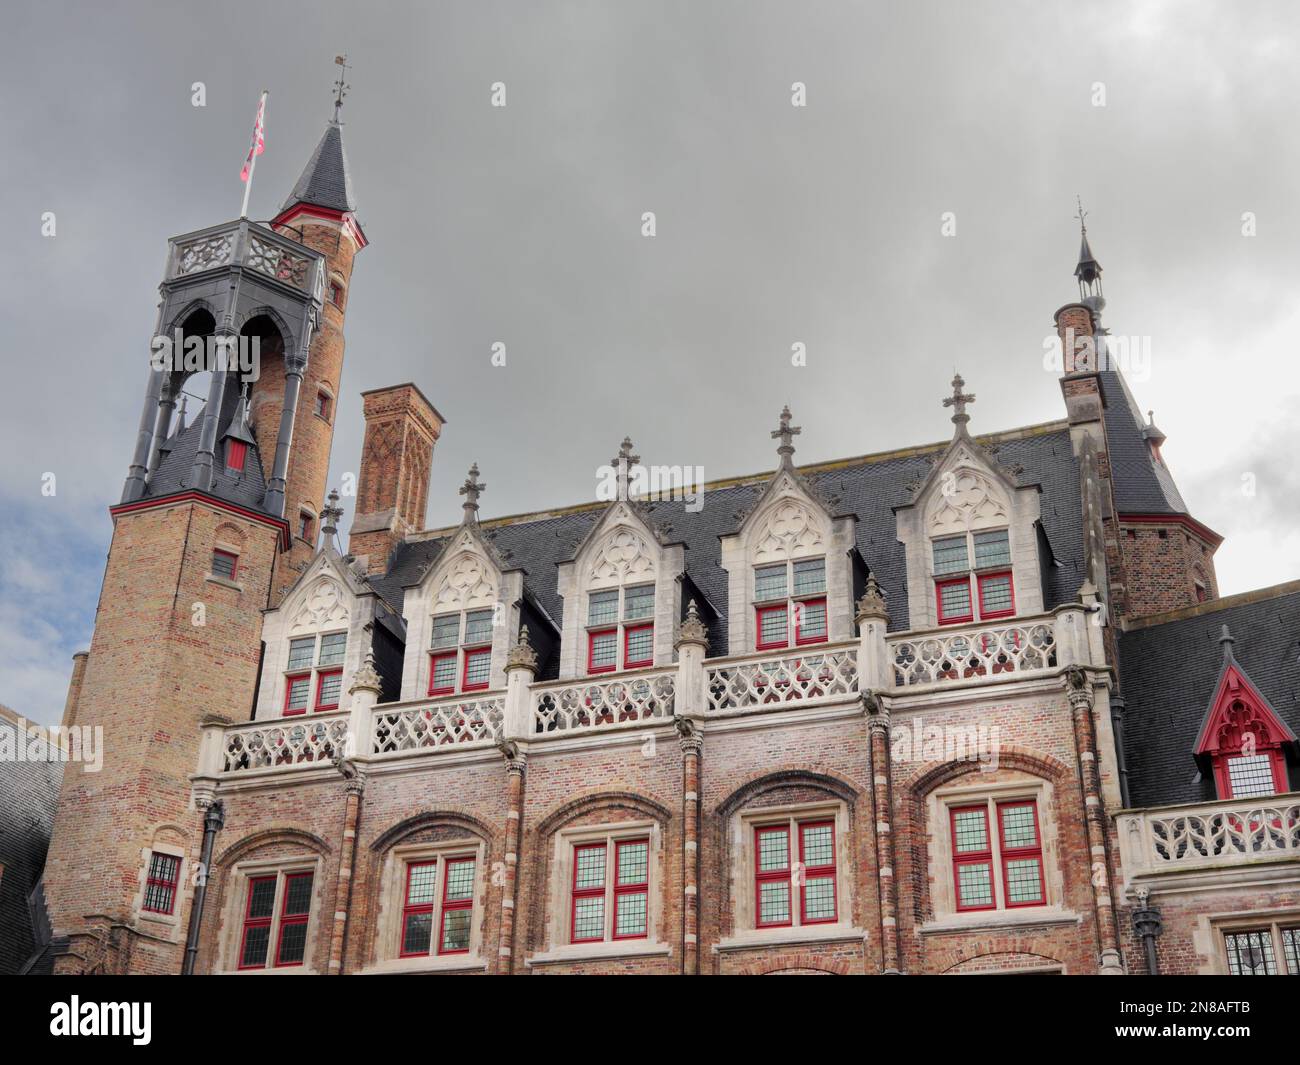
x=776 y=225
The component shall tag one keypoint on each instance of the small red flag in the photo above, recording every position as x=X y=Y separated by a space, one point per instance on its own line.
x=259 y=140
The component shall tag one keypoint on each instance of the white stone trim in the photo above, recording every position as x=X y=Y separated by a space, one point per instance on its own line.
x=231 y=926
x=390 y=901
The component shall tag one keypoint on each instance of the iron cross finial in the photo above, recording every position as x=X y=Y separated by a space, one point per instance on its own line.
x=958 y=401
x=786 y=434
x=330 y=514
x=471 y=490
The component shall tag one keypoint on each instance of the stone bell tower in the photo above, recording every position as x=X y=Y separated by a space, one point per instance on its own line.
x=203 y=536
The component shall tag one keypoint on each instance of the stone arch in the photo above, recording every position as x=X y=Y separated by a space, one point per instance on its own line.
x=926 y=778
x=794 y=776
x=185 y=312
x=787 y=527
x=410 y=826
x=276 y=834
x=802 y=964
x=965 y=497
x=585 y=804
x=622 y=555
x=230 y=533
x=265 y=311
x=1021 y=953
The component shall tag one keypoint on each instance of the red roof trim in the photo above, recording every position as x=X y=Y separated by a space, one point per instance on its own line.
x=195 y=496
x=1234 y=684
x=345 y=218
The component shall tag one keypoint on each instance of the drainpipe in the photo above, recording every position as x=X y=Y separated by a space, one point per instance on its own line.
x=213 y=821
x=1147 y=924
x=1117 y=709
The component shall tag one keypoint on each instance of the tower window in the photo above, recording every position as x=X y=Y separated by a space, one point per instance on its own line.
x=323 y=405
x=336 y=294
x=224 y=564
x=236 y=452
x=160 y=887
x=306 y=527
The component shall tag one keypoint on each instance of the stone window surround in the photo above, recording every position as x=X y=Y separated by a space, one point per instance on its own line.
x=975 y=576
x=391 y=900
x=943 y=903
x=305 y=511
x=792 y=602
x=1248 y=921
x=165 y=925
x=558 y=926
x=619 y=626
x=227 y=582
x=231 y=931
x=323 y=389
x=742 y=872
x=574 y=584
x=313 y=671
x=418 y=610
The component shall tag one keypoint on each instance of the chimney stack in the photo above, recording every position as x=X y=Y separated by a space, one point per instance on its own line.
x=393 y=488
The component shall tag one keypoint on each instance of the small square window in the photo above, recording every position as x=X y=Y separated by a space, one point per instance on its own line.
x=332 y=648
x=992 y=549
x=295 y=694
x=954 y=601
x=446 y=630
x=323 y=405
x=639 y=602
x=301 y=651
x=602 y=651
x=1251 y=953
x=769 y=583
x=639 y=650
x=328 y=687
x=773 y=627
x=478 y=627
x=602 y=607
x=1251 y=775
x=950 y=555
x=810 y=621
x=810 y=577
x=442 y=674
x=336 y=294
x=996 y=599
x=306 y=527
x=224 y=564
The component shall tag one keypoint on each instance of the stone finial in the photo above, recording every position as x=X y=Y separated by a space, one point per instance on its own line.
x=622 y=464
x=367 y=678
x=329 y=516
x=522 y=655
x=958 y=401
x=786 y=433
x=872 y=604
x=692 y=628
x=471 y=490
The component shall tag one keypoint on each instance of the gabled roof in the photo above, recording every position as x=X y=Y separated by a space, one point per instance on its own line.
x=868 y=487
x=247 y=488
x=1142 y=485
x=326 y=180
x=1233 y=683
x=1170 y=668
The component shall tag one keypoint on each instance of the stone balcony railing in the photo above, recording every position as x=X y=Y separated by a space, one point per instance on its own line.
x=529 y=711
x=1206 y=837
x=252 y=247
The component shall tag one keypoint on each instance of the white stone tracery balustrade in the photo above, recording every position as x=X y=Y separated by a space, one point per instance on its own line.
x=600 y=702
x=457 y=720
x=985 y=651
x=285 y=744
x=783 y=679
x=1204 y=836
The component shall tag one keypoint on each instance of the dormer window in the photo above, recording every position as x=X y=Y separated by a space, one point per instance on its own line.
x=460 y=652
x=973 y=570
x=315 y=673
x=236 y=452
x=620 y=621
x=790 y=599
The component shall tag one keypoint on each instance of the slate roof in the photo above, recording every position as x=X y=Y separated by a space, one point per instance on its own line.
x=326 y=180
x=1142 y=485
x=868 y=487
x=29 y=792
x=1168 y=674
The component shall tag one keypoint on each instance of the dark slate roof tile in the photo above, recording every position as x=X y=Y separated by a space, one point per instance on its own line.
x=326 y=180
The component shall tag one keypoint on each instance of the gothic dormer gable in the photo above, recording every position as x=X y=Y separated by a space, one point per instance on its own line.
x=622 y=546
x=464 y=576
x=966 y=490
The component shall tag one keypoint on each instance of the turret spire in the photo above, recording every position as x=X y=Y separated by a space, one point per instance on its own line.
x=1088 y=270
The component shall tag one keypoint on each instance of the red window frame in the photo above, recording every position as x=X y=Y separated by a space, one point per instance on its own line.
x=1277 y=764
x=984 y=857
x=305 y=522
x=577 y=893
x=987 y=615
x=454 y=904
x=818 y=872
x=291 y=920
x=320 y=684
x=628 y=663
x=336 y=292
x=591 y=647
x=939 y=586
x=771 y=876
x=434 y=659
x=1021 y=853
x=236 y=453
x=474 y=652
x=234 y=563
x=620 y=890
x=251 y=922
x=759 y=611
x=799 y=606
x=417 y=908
x=157 y=881
x=322 y=408
x=288 y=691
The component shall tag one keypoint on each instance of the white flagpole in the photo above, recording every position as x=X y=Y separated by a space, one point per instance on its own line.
x=252 y=163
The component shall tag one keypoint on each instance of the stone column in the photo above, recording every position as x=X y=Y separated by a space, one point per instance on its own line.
x=135 y=478
x=201 y=473
x=295 y=366
x=521 y=667
x=689 y=706
x=1079 y=689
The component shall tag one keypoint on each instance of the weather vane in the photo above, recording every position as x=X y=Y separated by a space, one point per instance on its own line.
x=341 y=87
x=1082 y=215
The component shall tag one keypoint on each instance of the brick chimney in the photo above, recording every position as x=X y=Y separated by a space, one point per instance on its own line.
x=393 y=488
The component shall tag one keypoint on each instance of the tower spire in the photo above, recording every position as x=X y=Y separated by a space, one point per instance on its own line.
x=1088 y=270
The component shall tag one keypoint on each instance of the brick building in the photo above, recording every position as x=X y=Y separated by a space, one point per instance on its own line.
x=903 y=712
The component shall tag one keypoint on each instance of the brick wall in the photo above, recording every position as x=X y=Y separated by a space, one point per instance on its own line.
x=1163 y=565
